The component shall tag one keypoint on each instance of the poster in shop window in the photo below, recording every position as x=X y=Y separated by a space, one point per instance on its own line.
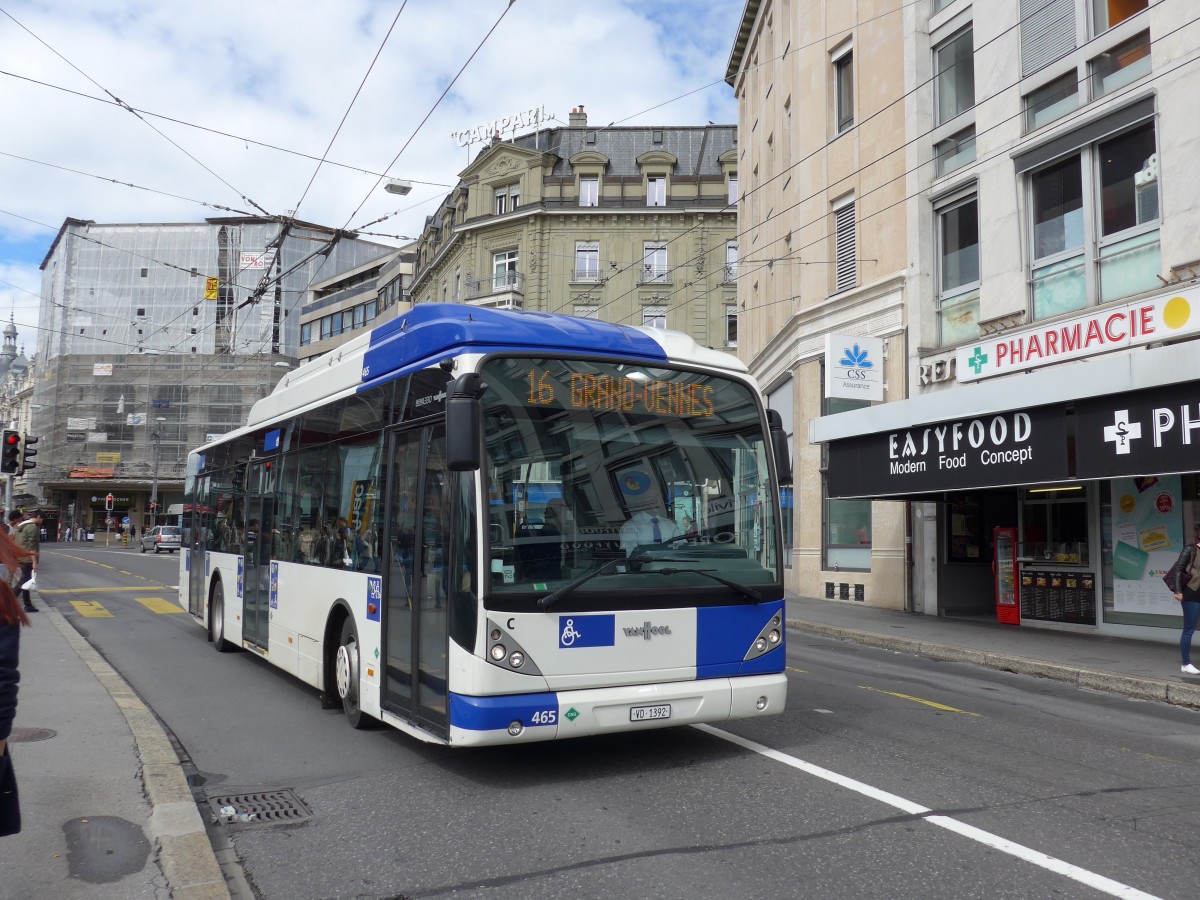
x=1147 y=535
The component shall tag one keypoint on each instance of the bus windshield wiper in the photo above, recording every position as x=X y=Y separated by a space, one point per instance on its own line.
x=747 y=592
x=554 y=596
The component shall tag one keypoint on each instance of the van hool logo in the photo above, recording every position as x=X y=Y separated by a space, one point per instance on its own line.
x=647 y=630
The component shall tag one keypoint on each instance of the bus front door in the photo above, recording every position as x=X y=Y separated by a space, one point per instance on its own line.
x=256 y=553
x=416 y=625
x=196 y=534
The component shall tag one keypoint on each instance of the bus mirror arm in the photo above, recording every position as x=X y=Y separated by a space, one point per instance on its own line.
x=464 y=423
x=780 y=446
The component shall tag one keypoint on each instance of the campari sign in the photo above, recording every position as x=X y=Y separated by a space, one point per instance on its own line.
x=1161 y=318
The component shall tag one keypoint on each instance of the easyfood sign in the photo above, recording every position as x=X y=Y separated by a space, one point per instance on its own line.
x=1114 y=328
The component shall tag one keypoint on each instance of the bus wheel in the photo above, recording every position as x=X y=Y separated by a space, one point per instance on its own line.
x=216 y=619
x=347 y=673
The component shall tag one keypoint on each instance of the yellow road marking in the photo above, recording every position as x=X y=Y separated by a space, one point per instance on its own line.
x=91 y=610
x=159 y=605
x=101 y=589
x=794 y=669
x=940 y=706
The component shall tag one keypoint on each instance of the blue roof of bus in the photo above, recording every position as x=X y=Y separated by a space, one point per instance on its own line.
x=431 y=330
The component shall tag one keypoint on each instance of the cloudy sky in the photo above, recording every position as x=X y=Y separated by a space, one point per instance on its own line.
x=235 y=102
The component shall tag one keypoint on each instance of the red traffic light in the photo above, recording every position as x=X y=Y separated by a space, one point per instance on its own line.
x=11 y=439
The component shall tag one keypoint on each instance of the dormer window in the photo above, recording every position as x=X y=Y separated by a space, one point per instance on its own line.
x=508 y=198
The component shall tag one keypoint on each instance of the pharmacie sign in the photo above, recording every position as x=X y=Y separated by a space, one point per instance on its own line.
x=1150 y=432
x=853 y=367
x=1161 y=318
x=1009 y=448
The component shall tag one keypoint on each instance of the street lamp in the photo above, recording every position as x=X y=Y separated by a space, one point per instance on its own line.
x=154 y=483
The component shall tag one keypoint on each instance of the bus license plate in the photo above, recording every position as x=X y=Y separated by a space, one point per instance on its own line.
x=646 y=713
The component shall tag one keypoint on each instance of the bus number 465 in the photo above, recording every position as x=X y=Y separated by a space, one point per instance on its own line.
x=544 y=717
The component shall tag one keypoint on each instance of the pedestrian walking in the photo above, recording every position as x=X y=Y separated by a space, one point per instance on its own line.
x=27 y=533
x=1186 y=572
x=11 y=619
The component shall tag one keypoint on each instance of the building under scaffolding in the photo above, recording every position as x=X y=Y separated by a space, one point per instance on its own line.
x=156 y=337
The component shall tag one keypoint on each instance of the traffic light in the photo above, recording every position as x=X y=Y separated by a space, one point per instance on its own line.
x=10 y=452
x=28 y=453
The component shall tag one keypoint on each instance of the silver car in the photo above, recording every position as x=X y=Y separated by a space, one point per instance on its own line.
x=162 y=537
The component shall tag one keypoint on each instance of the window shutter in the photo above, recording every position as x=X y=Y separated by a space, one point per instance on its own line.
x=1047 y=32
x=844 y=248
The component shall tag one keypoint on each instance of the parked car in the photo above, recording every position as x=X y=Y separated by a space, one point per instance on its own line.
x=162 y=537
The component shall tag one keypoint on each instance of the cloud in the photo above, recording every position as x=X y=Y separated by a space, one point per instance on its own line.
x=284 y=73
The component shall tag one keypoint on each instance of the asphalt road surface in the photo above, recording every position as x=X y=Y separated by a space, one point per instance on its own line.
x=886 y=776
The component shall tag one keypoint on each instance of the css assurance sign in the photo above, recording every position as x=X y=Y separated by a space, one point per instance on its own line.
x=1160 y=318
x=853 y=367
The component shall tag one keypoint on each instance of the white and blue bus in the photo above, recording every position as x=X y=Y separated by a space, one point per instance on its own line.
x=484 y=526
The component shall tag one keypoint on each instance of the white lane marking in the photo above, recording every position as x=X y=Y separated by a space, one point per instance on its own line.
x=1037 y=858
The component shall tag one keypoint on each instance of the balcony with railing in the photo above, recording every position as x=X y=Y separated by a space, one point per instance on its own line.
x=586 y=275
x=502 y=290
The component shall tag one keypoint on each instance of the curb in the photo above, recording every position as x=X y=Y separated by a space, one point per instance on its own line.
x=1174 y=693
x=185 y=853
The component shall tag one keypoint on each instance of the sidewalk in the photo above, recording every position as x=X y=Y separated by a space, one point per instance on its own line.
x=1147 y=670
x=106 y=810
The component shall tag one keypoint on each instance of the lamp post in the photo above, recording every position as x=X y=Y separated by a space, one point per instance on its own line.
x=154 y=483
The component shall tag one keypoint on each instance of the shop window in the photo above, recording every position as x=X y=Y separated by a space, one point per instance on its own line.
x=1056 y=582
x=965 y=536
x=846 y=526
x=1111 y=217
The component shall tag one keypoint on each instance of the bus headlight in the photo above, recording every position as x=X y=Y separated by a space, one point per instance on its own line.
x=505 y=651
x=498 y=652
x=516 y=659
x=770 y=638
x=515 y=728
x=494 y=634
x=761 y=645
x=774 y=637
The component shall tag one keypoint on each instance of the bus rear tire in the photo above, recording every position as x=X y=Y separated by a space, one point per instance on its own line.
x=347 y=673
x=216 y=620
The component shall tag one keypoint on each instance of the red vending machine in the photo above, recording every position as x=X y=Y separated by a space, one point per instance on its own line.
x=1004 y=569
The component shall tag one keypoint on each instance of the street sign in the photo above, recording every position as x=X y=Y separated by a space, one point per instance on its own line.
x=124 y=520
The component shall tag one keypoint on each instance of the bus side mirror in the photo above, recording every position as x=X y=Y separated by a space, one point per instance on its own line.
x=780 y=446
x=464 y=423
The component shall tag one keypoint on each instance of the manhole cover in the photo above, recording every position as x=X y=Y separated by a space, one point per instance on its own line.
x=26 y=735
x=260 y=808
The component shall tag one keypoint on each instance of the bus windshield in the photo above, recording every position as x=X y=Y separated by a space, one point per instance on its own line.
x=652 y=481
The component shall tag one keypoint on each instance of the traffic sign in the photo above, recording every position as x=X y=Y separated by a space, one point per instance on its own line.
x=124 y=520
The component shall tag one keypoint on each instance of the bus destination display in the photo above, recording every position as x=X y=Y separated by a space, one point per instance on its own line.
x=606 y=393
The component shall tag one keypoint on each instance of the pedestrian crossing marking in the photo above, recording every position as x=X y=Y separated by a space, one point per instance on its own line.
x=159 y=605
x=91 y=610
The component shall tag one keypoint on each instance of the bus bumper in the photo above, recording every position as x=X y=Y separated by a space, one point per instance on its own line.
x=480 y=721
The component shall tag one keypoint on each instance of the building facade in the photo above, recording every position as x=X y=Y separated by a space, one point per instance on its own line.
x=1052 y=304
x=155 y=337
x=823 y=253
x=631 y=225
x=340 y=307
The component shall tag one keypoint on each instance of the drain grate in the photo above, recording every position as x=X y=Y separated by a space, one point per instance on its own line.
x=259 y=808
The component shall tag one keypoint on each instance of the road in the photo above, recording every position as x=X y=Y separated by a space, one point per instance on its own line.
x=887 y=775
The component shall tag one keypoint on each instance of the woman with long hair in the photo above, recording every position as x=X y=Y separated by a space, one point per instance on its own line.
x=1187 y=592
x=12 y=617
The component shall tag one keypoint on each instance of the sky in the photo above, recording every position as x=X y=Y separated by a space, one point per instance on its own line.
x=167 y=110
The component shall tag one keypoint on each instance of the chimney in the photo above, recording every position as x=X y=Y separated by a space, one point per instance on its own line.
x=578 y=118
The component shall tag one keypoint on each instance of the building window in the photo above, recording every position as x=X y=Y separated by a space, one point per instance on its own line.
x=326 y=327
x=1051 y=101
x=958 y=275
x=844 y=246
x=587 y=261
x=508 y=198
x=954 y=152
x=843 y=90
x=305 y=334
x=654 y=316
x=589 y=190
x=656 y=190
x=731 y=261
x=1123 y=64
x=954 y=84
x=733 y=190
x=1048 y=30
x=1107 y=13
x=1111 y=217
x=939 y=5
x=654 y=262
x=372 y=310
x=731 y=318
x=504 y=270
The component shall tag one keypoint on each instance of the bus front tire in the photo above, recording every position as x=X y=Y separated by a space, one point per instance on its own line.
x=347 y=672
x=216 y=620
